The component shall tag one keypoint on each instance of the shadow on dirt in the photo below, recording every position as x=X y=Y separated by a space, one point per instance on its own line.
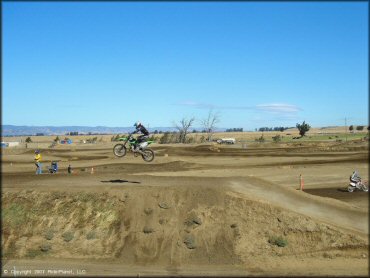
x=340 y=194
x=121 y=181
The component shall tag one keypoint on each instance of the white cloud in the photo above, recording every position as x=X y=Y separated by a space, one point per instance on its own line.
x=281 y=108
x=278 y=108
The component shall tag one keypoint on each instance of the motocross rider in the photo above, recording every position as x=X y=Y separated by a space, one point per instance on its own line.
x=355 y=177
x=143 y=137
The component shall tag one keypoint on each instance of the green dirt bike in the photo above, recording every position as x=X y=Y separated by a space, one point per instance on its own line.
x=121 y=149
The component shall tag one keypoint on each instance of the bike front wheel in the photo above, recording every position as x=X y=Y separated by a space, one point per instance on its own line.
x=365 y=187
x=148 y=155
x=119 y=150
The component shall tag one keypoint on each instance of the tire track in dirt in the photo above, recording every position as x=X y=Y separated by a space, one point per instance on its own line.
x=344 y=217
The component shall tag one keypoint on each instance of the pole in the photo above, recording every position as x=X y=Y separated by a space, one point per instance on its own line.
x=301 y=182
x=345 y=126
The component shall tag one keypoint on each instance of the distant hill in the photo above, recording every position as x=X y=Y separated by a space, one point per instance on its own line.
x=13 y=130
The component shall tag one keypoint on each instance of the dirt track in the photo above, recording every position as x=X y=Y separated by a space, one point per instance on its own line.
x=254 y=190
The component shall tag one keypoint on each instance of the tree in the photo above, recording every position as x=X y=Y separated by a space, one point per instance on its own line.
x=303 y=128
x=209 y=124
x=350 y=128
x=28 y=140
x=56 y=139
x=359 y=127
x=183 y=128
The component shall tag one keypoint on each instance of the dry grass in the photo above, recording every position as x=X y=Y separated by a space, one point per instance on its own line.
x=248 y=135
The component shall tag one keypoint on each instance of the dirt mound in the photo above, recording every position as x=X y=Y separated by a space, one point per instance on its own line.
x=167 y=226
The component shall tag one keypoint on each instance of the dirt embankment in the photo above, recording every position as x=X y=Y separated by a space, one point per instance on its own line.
x=166 y=226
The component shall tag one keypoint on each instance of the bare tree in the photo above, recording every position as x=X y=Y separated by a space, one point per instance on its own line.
x=209 y=124
x=183 y=128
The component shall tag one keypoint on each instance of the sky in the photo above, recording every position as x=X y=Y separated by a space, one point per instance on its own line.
x=253 y=64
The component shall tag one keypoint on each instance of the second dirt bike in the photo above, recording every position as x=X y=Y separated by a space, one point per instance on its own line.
x=359 y=185
x=120 y=149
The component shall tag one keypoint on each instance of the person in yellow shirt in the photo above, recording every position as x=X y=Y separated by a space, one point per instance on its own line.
x=38 y=162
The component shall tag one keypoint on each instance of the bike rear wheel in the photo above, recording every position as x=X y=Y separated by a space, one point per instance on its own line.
x=148 y=155
x=119 y=150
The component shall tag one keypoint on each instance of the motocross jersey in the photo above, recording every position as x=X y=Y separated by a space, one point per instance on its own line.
x=37 y=157
x=142 y=129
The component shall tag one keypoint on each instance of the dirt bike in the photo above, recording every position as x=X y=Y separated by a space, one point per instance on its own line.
x=120 y=149
x=353 y=185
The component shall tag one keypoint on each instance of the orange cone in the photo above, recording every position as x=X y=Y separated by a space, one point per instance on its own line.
x=301 y=182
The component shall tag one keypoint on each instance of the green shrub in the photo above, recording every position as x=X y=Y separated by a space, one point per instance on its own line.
x=91 y=235
x=190 y=140
x=32 y=253
x=68 y=236
x=260 y=140
x=49 y=234
x=165 y=138
x=14 y=215
x=276 y=138
x=279 y=241
x=45 y=247
x=202 y=139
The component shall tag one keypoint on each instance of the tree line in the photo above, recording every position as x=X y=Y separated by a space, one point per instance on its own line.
x=277 y=128
x=358 y=128
x=234 y=130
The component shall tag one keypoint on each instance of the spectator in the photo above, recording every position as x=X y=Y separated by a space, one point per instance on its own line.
x=38 y=162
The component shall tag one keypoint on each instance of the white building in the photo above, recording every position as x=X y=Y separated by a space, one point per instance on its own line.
x=12 y=144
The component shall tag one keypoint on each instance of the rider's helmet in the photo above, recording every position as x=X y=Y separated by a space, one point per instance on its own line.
x=137 y=124
x=37 y=151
